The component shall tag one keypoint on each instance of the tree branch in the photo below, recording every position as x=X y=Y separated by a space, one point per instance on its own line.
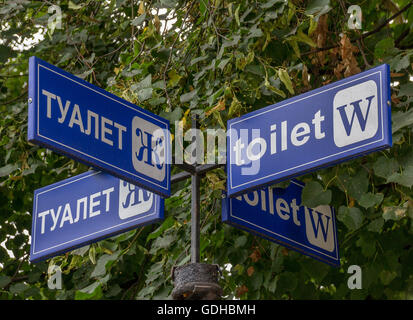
x=363 y=35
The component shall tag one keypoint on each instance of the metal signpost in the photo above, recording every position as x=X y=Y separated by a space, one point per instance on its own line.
x=334 y=123
x=88 y=208
x=91 y=125
x=277 y=215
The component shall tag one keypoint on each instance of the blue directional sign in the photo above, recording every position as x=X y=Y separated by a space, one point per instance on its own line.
x=277 y=215
x=339 y=121
x=91 y=125
x=88 y=208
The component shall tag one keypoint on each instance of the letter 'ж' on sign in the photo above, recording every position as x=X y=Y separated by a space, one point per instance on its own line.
x=91 y=125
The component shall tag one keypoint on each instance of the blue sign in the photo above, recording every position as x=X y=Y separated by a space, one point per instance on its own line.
x=91 y=125
x=277 y=214
x=88 y=208
x=339 y=121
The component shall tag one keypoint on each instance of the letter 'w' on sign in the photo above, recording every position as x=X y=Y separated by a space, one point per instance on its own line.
x=93 y=126
x=320 y=128
x=88 y=208
x=356 y=113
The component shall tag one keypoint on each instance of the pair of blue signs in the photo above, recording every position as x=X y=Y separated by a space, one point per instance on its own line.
x=320 y=128
x=93 y=126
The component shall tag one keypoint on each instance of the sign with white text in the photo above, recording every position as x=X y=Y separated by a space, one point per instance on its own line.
x=277 y=215
x=88 y=208
x=334 y=123
x=91 y=125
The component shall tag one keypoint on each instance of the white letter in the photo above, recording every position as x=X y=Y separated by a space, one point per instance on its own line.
x=273 y=138
x=120 y=130
x=263 y=148
x=295 y=211
x=282 y=206
x=91 y=114
x=76 y=118
x=64 y=110
x=107 y=194
x=42 y=215
x=354 y=281
x=106 y=130
x=84 y=201
x=253 y=202
x=284 y=145
x=354 y=21
x=317 y=125
x=237 y=149
x=67 y=215
x=211 y=134
x=93 y=204
x=50 y=96
x=55 y=217
x=55 y=277
x=295 y=134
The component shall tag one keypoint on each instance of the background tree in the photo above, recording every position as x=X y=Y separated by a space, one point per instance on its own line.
x=219 y=59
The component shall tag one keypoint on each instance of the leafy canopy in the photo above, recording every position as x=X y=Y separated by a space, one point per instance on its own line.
x=219 y=59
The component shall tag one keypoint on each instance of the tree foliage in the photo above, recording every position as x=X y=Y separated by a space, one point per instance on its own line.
x=219 y=59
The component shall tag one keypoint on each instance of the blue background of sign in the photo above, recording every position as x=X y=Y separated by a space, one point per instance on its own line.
x=254 y=219
x=88 y=230
x=72 y=142
x=315 y=153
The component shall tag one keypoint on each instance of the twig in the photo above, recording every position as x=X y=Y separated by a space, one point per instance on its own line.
x=15 y=99
x=168 y=99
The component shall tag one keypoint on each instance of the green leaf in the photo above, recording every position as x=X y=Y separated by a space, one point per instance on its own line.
x=285 y=79
x=314 y=195
x=240 y=241
x=302 y=37
x=406 y=89
x=237 y=15
x=401 y=119
x=174 y=78
x=139 y=20
x=356 y=185
x=317 y=8
x=275 y=90
x=387 y=276
x=4 y=281
x=405 y=178
x=351 y=217
x=186 y=97
x=18 y=288
x=270 y=3
x=93 y=291
x=385 y=167
x=376 y=225
x=7 y=169
x=383 y=47
x=369 y=199
x=144 y=94
x=394 y=213
x=223 y=63
x=368 y=247
x=92 y=254
x=75 y=6
x=103 y=260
